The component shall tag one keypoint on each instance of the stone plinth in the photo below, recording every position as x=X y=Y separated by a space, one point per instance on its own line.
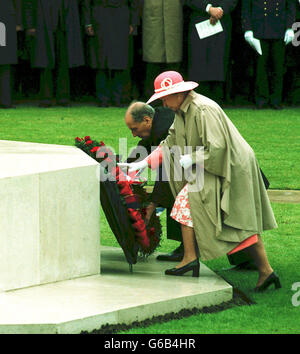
x=115 y=296
x=49 y=214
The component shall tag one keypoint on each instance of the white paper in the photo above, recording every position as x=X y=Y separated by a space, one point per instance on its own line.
x=206 y=29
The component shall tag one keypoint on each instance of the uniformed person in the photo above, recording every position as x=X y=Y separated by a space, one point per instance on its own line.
x=269 y=21
x=292 y=75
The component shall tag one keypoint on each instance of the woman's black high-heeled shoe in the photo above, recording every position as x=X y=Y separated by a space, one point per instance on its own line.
x=194 y=266
x=272 y=279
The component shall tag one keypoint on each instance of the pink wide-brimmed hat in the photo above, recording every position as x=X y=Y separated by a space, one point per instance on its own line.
x=168 y=83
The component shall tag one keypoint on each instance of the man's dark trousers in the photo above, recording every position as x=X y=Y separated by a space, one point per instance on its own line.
x=61 y=71
x=270 y=64
x=5 y=85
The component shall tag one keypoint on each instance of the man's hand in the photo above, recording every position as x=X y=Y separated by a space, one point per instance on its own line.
x=149 y=211
x=216 y=12
x=185 y=161
x=89 y=30
x=254 y=43
x=213 y=20
x=289 y=36
x=134 y=166
x=249 y=37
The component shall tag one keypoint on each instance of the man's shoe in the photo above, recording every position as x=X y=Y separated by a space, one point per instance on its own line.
x=7 y=106
x=261 y=105
x=63 y=103
x=276 y=106
x=175 y=256
x=103 y=103
x=45 y=104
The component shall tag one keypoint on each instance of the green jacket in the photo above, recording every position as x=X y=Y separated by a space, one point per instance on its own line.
x=162 y=31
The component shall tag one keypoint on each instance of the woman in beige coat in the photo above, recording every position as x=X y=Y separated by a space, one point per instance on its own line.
x=230 y=210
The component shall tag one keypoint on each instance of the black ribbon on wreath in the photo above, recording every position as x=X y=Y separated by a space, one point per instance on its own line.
x=117 y=217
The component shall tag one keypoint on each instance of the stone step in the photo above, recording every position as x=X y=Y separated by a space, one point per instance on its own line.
x=113 y=297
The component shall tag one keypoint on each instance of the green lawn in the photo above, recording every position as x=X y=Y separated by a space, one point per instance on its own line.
x=274 y=136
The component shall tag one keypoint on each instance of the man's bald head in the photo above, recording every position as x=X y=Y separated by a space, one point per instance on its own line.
x=138 y=118
x=138 y=110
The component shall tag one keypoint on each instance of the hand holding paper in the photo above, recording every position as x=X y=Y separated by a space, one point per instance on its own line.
x=216 y=12
x=254 y=42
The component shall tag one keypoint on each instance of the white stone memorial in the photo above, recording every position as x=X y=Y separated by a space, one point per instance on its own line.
x=49 y=214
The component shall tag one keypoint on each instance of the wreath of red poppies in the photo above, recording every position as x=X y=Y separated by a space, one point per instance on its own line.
x=131 y=192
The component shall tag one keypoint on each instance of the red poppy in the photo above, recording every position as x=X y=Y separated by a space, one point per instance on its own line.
x=133 y=213
x=95 y=148
x=86 y=138
x=88 y=142
x=130 y=199
x=143 y=239
x=78 y=139
x=125 y=189
x=139 y=225
x=152 y=231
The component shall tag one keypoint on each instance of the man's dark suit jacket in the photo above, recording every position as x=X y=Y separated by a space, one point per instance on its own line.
x=268 y=19
x=162 y=121
x=161 y=194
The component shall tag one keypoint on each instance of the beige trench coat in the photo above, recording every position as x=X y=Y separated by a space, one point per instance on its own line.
x=233 y=203
x=162 y=31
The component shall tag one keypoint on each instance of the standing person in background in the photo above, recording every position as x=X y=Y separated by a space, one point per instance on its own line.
x=270 y=22
x=162 y=37
x=209 y=57
x=10 y=24
x=109 y=25
x=292 y=76
x=54 y=28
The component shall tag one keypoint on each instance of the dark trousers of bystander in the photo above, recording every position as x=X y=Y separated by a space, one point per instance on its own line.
x=59 y=75
x=269 y=72
x=5 y=86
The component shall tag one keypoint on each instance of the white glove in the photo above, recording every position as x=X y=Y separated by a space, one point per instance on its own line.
x=185 y=161
x=289 y=36
x=134 y=166
x=249 y=36
x=254 y=42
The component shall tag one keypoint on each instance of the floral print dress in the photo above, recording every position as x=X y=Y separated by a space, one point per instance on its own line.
x=181 y=209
